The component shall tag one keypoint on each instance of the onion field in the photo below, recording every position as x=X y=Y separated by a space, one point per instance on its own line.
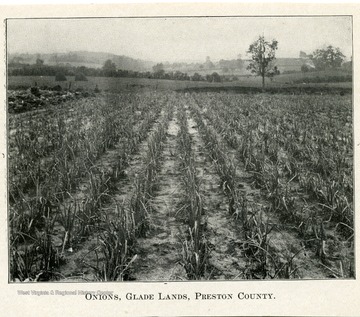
x=165 y=185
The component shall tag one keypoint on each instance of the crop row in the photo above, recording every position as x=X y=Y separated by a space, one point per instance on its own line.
x=131 y=218
x=194 y=247
x=263 y=260
x=34 y=217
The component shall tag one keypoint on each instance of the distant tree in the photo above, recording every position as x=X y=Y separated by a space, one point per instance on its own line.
x=109 y=68
x=197 y=77
x=262 y=54
x=158 y=67
x=159 y=71
x=223 y=63
x=178 y=75
x=214 y=77
x=39 y=62
x=330 y=57
x=208 y=63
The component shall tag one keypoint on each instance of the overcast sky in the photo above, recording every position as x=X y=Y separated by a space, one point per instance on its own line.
x=178 y=39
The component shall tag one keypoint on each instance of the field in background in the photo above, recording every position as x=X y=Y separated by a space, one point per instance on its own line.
x=282 y=82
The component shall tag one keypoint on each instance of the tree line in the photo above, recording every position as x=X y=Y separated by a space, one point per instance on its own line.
x=262 y=56
x=109 y=69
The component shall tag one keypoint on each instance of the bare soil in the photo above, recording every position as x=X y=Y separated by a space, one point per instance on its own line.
x=159 y=253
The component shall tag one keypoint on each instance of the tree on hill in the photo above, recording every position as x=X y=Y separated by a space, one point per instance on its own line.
x=208 y=63
x=197 y=77
x=159 y=70
x=109 y=68
x=330 y=57
x=262 y=54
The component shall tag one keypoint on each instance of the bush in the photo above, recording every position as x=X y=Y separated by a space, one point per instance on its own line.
x=304 y=68
x=35 y=91
x=60 y=77
x=57 y=88
x=80 y=77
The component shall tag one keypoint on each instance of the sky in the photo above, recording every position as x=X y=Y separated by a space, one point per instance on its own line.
x=179 y=39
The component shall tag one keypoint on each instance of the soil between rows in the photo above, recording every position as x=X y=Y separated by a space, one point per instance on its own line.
x=226 y=259
x=159 y=253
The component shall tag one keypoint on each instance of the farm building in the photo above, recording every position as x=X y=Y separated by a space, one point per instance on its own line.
x=289 y=64
x=293 y=64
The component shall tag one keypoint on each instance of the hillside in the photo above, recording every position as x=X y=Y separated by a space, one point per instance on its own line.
x=83 y=58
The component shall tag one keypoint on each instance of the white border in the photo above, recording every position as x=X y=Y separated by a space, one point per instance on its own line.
x=293 y=298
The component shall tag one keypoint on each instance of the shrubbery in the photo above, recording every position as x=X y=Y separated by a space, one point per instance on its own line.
x=60 y=76
x=80 y=77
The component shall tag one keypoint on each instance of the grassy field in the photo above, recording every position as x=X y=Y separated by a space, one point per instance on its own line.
x=145 y=184
x=282 y=82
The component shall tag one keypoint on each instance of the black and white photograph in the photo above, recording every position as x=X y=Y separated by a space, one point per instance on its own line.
x=179 y=159
x=192 y=148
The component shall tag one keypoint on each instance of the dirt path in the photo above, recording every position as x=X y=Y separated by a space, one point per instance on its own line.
x=159 y=253
x=125 y=185
x=226 y=260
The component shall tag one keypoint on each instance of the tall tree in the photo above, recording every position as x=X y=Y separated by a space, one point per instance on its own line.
x=262 y=54
x=330 y=57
